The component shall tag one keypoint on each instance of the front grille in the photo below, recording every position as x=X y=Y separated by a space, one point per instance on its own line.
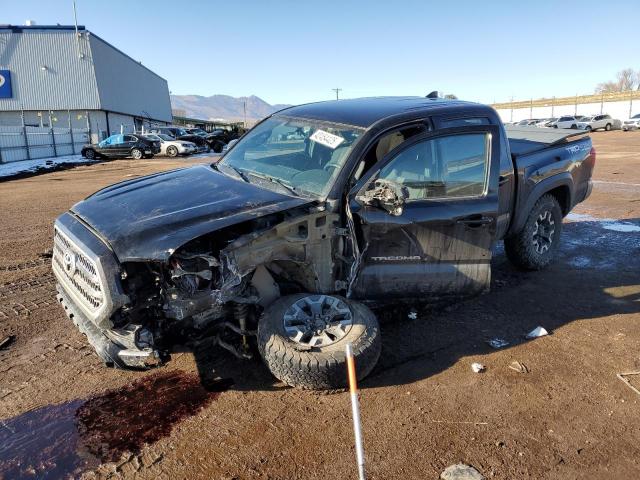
x=78 y=271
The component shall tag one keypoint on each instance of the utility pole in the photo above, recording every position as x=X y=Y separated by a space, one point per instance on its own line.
x=244 y=104
x=337 y=90
x=75 y=22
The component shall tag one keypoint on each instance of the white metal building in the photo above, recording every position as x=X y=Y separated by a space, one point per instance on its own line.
x=59 y=88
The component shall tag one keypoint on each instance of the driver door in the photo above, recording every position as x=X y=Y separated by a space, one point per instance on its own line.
x=438 y=243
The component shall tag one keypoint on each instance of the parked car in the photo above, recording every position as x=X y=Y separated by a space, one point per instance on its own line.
x=546 y=122
x=597 y=122
x=121 y=146
x=632 y=123
x=220 y=137
x=279 y=247
x=566 y=121
x=229 y=145
x=180 y=133
x=171 y=147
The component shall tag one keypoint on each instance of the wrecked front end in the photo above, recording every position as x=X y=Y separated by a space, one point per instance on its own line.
x=213 y=286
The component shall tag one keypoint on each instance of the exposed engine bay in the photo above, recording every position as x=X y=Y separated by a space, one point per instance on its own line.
x=218 y=284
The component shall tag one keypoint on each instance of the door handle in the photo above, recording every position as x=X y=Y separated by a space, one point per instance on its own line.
x=475 y=220
x=502 y=179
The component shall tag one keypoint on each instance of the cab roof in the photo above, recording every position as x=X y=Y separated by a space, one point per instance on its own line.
x=364 y=112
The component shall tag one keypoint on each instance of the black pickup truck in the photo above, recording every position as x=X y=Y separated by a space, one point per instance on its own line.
x=317 y=212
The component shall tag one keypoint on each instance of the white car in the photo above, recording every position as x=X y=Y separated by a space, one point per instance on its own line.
x=632 y=123
x=566 y=121
x=598 y=121
x=229 y=145
x=545 y=122
x=170 y=146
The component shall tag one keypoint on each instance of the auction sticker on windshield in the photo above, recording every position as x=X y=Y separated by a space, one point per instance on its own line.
x=327 y=139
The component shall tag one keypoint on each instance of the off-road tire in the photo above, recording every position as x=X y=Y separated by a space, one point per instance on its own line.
x=520 y=248
x=137 y=154
x=317 y=368
x=172 y=151
x=217 y=147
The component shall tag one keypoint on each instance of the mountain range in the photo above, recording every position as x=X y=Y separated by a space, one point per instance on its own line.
x=222 y=107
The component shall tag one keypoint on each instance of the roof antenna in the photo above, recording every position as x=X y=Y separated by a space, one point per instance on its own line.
x=434 y=94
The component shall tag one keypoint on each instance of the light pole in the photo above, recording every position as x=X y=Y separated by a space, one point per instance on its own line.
x=337 y=90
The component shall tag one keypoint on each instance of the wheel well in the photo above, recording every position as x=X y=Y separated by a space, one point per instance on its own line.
x=563 y=196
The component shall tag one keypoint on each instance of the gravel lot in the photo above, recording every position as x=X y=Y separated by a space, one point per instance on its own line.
x=65 y=415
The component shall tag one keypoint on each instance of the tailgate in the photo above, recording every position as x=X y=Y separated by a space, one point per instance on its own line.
x=524 y=140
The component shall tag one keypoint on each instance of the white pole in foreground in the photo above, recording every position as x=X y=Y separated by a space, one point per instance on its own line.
x=355 y=407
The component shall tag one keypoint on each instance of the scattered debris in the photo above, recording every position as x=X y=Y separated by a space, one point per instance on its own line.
x=461 y=472
x=519 y=367
x=412 y=315
x=6 y=341
x=497 y=342
x=478 y=367
x=622 y=376
x=537 y=332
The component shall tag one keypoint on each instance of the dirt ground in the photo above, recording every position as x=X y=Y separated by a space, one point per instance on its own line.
x=62 y=414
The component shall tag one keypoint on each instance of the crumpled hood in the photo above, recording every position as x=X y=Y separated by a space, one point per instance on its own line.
x=148 y=218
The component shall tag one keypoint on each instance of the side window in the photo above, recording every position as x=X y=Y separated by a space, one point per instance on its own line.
x=130 y=138
x=444 y=167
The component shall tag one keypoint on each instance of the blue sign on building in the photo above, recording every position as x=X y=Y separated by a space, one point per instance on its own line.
x=5 y=84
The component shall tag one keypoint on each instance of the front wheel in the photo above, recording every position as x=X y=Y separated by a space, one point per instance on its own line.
x=90 y=154
x=302 y=339
x=607 y=127
x=535 y=246
x=172 y=151
x=137 y=154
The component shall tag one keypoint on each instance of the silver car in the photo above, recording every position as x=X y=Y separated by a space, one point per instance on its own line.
x=633 y=123
x=597 y=122
x=171 y=147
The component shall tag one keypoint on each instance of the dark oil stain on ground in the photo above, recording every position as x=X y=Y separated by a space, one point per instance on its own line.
x=62 y=441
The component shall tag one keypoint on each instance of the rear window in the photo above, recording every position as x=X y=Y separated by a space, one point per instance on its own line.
x=462 y=122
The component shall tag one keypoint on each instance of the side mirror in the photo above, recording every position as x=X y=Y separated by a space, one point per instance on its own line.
x=387 y=195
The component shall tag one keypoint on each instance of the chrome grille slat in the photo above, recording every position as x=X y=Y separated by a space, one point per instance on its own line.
x=83 y=277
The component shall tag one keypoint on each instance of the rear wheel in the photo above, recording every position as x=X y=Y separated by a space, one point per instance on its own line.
x=535 y=246
x=589 y=128
x=90 y=154
x=217 y=147
x=607 y=127
x=302 y=339
x=172 y=151
x=137 y=153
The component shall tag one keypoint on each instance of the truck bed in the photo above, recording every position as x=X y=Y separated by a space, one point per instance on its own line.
x=524 y=139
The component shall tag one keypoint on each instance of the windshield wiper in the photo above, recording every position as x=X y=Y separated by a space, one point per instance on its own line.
x=238 y=172
x=291 y=189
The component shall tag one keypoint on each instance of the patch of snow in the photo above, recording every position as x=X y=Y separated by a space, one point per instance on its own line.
x=25 y=166
x=580 y=262
x=621 y=227
x=581 y=217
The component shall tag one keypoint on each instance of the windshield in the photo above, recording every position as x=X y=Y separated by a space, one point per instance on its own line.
x=166 y=137
x=299 y=155
x=587 y=119
x=152 y=136
x=637 y=115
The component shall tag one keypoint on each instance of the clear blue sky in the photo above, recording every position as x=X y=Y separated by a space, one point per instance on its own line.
x=296 y=51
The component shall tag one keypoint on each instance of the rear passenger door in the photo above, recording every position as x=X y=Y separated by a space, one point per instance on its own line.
x=440 y=243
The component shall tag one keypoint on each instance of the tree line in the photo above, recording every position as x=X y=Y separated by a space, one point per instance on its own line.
x=627 y=79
